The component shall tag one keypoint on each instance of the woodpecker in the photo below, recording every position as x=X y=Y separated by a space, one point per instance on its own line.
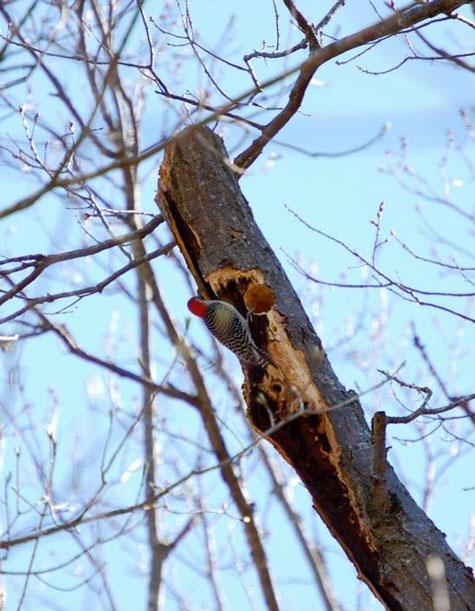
x=230 y=328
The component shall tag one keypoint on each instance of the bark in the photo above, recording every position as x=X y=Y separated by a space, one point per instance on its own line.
x=386 y=535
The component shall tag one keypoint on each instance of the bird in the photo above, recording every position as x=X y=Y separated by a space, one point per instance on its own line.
x=230 y=328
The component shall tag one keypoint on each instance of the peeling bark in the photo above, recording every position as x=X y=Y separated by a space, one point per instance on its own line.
x=388 y=542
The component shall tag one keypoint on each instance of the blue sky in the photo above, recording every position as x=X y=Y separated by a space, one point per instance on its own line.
x=340 y=196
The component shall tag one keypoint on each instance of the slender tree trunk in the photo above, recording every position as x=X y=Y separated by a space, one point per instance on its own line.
x=386 y=535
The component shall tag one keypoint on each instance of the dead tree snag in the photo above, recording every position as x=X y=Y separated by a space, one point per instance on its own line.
x=389 y=543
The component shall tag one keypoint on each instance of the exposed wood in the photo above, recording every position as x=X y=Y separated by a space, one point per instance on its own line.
x=389 y=543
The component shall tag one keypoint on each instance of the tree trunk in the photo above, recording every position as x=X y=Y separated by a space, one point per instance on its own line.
x=385 y=534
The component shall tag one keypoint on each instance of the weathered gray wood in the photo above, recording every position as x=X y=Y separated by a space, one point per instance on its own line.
x=389 y=543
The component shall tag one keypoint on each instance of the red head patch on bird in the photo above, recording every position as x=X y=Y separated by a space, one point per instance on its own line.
x=198 y=307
